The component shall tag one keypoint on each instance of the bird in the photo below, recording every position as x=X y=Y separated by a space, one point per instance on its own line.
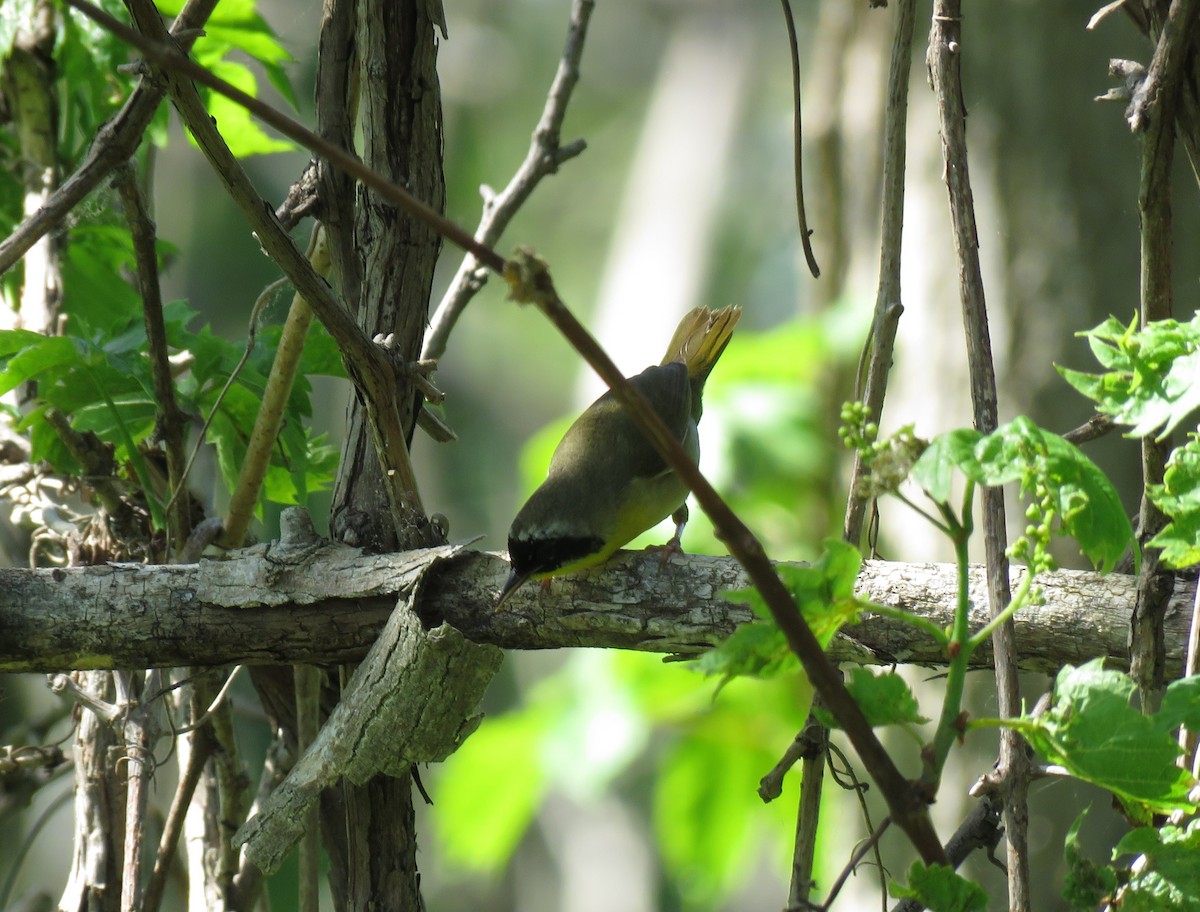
x=607 y=483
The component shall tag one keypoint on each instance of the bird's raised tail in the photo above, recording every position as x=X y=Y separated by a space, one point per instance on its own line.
x=700 y=338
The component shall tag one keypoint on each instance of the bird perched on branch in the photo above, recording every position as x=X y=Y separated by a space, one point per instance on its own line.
x=607 y=483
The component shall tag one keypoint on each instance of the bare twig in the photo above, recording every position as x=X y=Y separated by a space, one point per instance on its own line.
x=1166 y=68
x=202 y=746
x=172 y=423
x=369 y=368
x=140 y=733
x=544 y=157
x=979 y=831
x=797 y=141
x=810 y=747
x=269 y=420
x=308 y=715
x=945 y=55
x=1092 y=429
x=887 y=298
x=860 y=853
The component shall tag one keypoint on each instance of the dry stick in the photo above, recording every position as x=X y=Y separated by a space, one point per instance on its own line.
x=140 y=733
x=868 y=845
x=881 y=344
x=797 y=144
x=882 y=337
x=267 y=423
x=531 y=283
x=1153 y=111
x=115 y=142
x=815 y=739
x=172 y=423
x=980 y=830
x=202 y=746
x=887 y=297
x=945 y=54
x=307 y=679
x=336 y=99
x=544 y=157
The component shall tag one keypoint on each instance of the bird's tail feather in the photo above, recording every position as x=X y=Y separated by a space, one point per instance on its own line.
x=700 y=338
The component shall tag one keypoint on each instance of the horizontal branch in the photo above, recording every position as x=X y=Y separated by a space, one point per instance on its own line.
x=326 y=604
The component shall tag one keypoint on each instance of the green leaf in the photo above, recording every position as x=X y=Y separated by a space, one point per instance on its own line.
x=824 y=593
x=236 y=24
x=37 y=355
x=1180 y=705
x=478 y=824
x=240 y=131
x=1169 y=879
x=1152 y=380
x=1092 y=731
x=1179 y=497
x=1089 y=508
x=1087 y=884
x=885 y=699
x=940 y=889
x=934 y=471
x=98 y=301
x=1085 y=502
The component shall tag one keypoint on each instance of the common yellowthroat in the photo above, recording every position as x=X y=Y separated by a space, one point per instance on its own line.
x=607 y=484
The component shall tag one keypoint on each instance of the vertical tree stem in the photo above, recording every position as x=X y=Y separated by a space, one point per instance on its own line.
x=944 y=60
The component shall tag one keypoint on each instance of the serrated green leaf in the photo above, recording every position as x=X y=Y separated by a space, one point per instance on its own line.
x=1179 y=498
x=38 y=355
x=1152 y=378
x=1168 y=879
x=1087 y=505
x=824 y=593
x=934 y=471
x=1089 y=508
x=941 y=889
x=1092 y=731
x=885 y=699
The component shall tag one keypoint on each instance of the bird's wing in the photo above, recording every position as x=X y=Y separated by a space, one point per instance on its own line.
x=607 y=441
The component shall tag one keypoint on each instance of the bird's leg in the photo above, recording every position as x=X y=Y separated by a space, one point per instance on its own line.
x=674 y=546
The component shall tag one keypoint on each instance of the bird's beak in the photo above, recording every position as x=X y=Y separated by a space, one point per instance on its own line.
x=511 y=585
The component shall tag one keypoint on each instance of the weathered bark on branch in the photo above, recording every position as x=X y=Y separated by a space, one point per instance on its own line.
x=264 y=605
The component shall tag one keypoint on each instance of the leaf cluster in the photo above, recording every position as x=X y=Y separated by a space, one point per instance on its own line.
x=1151 y=382
x=99 y=377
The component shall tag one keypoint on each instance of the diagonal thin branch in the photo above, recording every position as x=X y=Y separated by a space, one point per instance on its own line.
x=530 y=282
x=544 y=157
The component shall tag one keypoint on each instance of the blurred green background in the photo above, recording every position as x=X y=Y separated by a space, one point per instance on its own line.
x=610 y=781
